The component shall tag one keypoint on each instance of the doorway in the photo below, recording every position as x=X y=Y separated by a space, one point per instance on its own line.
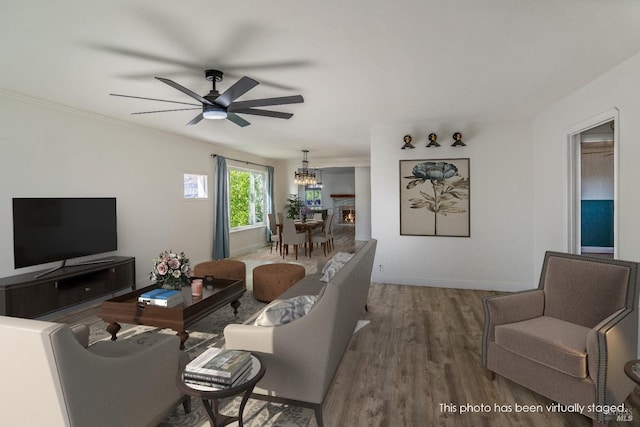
x=593 y=188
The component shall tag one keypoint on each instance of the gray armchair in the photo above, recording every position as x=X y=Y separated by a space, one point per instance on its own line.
x=49 y=377
x=569 y=339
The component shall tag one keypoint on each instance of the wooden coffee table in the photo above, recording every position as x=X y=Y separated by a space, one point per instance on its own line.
x=126 y=309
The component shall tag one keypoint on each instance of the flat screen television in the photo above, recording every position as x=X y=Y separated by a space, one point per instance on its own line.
x=58 y=229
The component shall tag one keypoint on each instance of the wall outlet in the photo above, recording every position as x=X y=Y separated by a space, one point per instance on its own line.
x=381 y=267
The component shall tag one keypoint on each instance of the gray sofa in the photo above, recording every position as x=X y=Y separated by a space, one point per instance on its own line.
x=50 y=378
x=303 y=356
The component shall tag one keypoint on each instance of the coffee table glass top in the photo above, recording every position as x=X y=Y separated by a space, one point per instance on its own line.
x=210 y=288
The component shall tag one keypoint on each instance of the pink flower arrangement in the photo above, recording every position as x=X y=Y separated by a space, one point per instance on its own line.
x=171 y=270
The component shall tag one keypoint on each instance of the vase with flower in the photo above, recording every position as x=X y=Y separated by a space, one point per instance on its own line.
x=171 y=270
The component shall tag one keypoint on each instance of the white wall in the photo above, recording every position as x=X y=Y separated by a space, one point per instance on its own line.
x=617 y=89
x=50 y=151
x=363 y=203
x=499 y=252
x=337 y=181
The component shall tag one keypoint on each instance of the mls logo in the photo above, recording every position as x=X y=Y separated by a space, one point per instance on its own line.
x=626 y=416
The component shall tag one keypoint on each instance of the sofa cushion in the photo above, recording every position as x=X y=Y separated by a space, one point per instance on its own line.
x=552 y=342
x=334 y=265
x=279 y=312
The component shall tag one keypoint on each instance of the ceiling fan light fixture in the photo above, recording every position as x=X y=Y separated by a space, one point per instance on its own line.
x=214 y=114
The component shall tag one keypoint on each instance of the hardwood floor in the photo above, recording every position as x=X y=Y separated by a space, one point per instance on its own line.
x=419 y=358
x=418 y=361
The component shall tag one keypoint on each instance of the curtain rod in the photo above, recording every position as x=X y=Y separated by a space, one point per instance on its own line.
x=241 y=161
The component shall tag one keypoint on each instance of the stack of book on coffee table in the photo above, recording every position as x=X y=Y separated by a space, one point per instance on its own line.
x=218 y=368
x=162 y=297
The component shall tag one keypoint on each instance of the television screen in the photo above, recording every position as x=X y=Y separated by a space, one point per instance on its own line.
x=55 y=229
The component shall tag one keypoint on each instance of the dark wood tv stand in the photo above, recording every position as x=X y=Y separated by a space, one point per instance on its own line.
x=25 y=295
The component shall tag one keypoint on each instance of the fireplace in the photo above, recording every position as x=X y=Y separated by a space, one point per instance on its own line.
x=344 y=209
x=347 y=215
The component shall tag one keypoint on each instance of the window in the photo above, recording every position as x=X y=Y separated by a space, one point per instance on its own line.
x=247 y=197
x=195 y=186
x=313 y=197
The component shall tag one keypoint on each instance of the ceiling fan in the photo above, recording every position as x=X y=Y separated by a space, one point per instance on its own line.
x=217 y=106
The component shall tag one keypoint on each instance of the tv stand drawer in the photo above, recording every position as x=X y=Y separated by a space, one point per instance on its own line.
x=82 y=288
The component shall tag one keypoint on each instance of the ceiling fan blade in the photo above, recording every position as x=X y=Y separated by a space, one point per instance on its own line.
x=241 y=105
x=266 y=113
x=229 y=75
x=185 y=90
x=138 y=54
x=153 y=99
x=269 y=65
x=216 y=61
x=166 y=111
x=237 y=120
x=238 y=89
x=196 y=119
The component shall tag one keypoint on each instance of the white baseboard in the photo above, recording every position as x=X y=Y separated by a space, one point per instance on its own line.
x=247 y=249
x=454 y=284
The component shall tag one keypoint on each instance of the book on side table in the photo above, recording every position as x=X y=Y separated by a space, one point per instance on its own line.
x=219 y=368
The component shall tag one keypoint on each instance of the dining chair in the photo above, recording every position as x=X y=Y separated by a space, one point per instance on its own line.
x=329 y=226
x=291 y=237
x=323 y=239
x=275 y=232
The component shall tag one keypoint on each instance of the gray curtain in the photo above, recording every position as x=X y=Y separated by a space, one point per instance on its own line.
x=271 y=205
x=221 y=221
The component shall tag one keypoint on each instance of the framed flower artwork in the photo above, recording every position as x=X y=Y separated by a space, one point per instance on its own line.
x=434 y=198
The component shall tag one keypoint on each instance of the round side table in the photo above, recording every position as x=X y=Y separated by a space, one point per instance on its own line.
x=211 y=395
x=632 y=369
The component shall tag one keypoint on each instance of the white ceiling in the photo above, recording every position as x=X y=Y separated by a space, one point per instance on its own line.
x=358 y=63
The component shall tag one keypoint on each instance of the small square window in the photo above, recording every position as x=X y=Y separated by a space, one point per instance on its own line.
x=195 y=186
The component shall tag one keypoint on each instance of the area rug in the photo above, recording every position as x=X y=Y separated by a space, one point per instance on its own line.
x=206 y=333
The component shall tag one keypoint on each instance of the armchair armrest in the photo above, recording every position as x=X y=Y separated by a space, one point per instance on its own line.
x=611 y=343
x=511 y=308
x=502 y=309
x=250 y=338
x=81 y=332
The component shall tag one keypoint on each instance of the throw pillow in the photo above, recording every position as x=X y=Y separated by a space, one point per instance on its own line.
x=334 y=265
x=279 y=312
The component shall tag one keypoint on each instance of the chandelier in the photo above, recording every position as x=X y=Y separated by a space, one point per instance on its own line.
x=303 y=176
x=318 y=184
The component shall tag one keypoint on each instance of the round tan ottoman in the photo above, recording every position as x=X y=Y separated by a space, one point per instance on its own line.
x=271 y=280
x=223 y=269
